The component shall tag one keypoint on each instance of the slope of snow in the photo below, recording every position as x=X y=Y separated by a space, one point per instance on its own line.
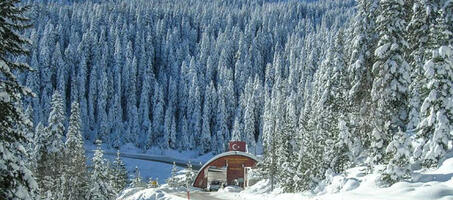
x=435 y=184
x=146 y=194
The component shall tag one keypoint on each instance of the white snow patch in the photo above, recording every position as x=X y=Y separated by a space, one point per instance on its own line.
x=146 y=194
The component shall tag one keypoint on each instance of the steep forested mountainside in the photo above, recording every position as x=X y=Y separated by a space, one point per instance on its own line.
x=178 y=74
x=318 y=87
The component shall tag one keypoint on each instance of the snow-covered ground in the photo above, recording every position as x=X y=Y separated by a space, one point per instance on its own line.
x=434 y=184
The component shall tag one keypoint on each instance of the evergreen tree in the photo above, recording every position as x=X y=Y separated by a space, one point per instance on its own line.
x=205 y=137
x=250 y=124
x=158 y=114
x=390 y=85
x=172 y=138
x=288 y=164
x=189 y=175
x=237 y=132
x=75 y=171
x=49 y=151
x=167 y=128
x=399 y=151
x=137 y=181
x=185 y=143
x=102 y=117
x=364 y=37
x=144 y=106
x=132 y=110
x=100 y=188
x=436 y=110
x=172 y=181
x=417 y=28
x=120 y=178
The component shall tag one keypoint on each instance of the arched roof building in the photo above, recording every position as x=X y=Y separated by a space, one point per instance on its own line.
x=229 y=168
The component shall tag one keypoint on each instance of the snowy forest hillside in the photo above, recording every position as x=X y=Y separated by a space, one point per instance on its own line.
x=177 y=74
x=316 y=87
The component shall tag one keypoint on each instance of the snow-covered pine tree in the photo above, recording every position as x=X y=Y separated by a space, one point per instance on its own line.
x=195 y=122
x=249 y=125
x=308 y=155
x=158 y=114
x=100 y=187
x=173 y=142
x=399 y=151
x=207 y=124
x=45 y=53
x=417 y=38
x=189 y=175
x=334 y=104
x=348 y=145
x=390 y=85
x=144 y=106
x=439 y=36
x=267 y=165
x=83 y=91
x=289 y=164
x=205 y=136
x=61 y=73
x=49 y=150
x=120 y=179
x=92 y=98
x=364 y=39
x=167 y=128
x=221 y=126
x=132 y=110
x=137 y=181
x=185 y=143
x=30 y=133
x=16 y=179
x=172 y=181
x=436 y=110
x=236 y=134
x=103 y=129
x=76 y=183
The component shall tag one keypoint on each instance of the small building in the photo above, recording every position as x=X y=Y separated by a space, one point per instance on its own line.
x=230 y=167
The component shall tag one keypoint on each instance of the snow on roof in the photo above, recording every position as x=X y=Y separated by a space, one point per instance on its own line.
x=231 y=153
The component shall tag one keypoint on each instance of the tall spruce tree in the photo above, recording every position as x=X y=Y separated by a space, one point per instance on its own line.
x=390 y=85
x=436 y=110
x=49 y=151
x=75 y=171
x=16 y=179
x=120 y=179
x=100 y=186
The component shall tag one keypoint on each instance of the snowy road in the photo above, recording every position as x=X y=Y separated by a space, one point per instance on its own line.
x=162 y=159
x=200 y=196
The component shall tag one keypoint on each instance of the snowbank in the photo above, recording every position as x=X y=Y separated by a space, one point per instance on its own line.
x=435 y=184
x=230 y=189
x=146 y=194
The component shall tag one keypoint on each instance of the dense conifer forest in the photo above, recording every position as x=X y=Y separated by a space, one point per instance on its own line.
x=317 y=87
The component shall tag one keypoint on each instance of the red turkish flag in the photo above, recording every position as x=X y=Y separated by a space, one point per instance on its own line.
x=237 y=146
